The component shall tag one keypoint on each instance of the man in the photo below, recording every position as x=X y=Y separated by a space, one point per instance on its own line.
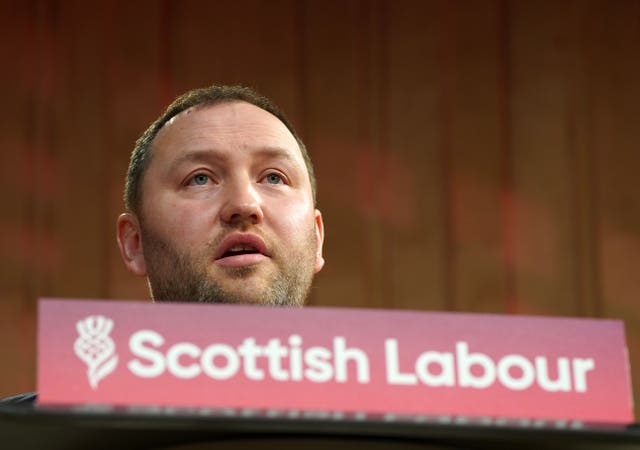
x=221 y=204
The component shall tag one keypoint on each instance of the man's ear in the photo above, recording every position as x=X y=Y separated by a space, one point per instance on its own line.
x=319 y=241
x=130 y=243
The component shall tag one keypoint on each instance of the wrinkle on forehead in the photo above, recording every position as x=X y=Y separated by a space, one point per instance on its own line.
x=235 y=119
x=201 y=106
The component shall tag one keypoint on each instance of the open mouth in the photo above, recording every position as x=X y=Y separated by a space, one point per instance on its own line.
x=240 y=250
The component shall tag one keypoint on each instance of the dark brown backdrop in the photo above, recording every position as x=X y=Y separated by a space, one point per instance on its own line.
x=471 y=155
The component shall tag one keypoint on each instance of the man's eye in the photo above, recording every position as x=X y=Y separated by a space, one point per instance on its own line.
x=273 y=178
x=200 y=179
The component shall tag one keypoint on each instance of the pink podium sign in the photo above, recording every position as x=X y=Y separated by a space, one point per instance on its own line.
x=320 y=359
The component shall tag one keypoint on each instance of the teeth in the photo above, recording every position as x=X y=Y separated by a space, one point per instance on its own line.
x=240 y=248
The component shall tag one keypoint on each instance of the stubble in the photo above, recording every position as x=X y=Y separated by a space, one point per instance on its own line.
x=175 y=277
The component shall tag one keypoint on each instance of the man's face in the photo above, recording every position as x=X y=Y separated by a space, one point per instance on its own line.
x=227 y=211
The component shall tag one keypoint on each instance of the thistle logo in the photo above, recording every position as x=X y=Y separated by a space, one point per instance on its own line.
x=95 y=348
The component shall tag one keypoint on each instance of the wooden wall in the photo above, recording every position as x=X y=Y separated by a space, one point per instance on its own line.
x=471 y=155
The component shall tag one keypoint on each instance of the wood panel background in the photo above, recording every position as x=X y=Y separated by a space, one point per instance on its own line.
x=471 y=155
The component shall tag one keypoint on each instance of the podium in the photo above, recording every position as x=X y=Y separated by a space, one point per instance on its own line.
x=242 y=377
x=27 y=428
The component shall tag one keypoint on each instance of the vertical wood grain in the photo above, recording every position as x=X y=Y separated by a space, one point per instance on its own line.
x=249 y=42
x=17 y=264
x=338 y=141
x=616 y=141
x=475 y=159
x=545 y=261
x=80 y=223
x=136 y=65
x=412 y=181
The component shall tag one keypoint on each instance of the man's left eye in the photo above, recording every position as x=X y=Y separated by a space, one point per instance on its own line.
x=273 y=178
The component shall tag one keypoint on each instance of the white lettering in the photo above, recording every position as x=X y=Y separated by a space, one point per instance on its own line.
x=249 y=352
x=479 y=371
x=137 y=345
x=295 y=357
x=394 y=376
x=507 y=379
x=274 y=360
x=446 y=377
x=319 y=368
x=290 y=361
x=580 y=369
x=173 y=360
x=275 y=352
x=562 y=383
x=342 y=355
x=224 y=372
x=466 y=361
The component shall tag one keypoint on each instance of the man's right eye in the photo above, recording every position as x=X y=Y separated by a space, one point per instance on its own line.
x=199 y=179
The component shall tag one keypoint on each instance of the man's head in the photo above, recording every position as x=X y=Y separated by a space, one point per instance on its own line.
x=220 y=195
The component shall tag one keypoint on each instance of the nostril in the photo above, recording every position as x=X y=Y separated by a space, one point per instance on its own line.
x=249 y=214
x=235 y=211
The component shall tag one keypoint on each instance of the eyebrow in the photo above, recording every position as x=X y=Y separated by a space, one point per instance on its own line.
x=275 y=153
x=195 y=156
x=211 y=154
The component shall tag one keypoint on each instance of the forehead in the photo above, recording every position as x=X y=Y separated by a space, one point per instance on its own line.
x=224 y=127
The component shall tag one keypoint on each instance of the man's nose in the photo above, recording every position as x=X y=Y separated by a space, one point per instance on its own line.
x=242 y=203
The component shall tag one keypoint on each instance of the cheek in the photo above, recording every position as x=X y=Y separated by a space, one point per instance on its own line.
x=183 y=222
x=294 y=216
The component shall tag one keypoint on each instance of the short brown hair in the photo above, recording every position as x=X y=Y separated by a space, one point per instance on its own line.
x=142 y=152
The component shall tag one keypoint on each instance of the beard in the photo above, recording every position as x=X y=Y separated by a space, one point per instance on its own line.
x=175 y=277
